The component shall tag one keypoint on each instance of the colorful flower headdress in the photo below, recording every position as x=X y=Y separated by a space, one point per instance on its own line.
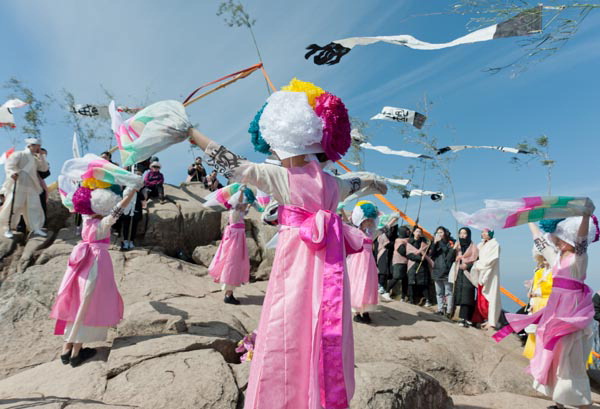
x=362 y=211
x=229 y=196
x=301 y=119
x=90 y=173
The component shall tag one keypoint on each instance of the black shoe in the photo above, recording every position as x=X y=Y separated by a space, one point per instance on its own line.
x=366 y=318
x=66 y=357
x=84 y=355
x=230 y=299
x=358 y=318
x=439 y=313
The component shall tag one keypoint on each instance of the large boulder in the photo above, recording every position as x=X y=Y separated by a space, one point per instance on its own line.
x=389 y=385
x=463 y=360
x=57 y=216
x=186 y=380
x=182 y=223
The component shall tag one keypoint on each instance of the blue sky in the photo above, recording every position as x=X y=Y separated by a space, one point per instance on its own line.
x=144 y=51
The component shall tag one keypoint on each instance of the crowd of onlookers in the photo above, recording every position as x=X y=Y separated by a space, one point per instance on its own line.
x=428 y=272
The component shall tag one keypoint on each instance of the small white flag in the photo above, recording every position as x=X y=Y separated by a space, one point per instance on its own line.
x=76 y=153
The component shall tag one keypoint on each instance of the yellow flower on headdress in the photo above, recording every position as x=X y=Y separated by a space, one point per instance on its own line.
x=362 y=202
x=310 y=89
x=92 y=184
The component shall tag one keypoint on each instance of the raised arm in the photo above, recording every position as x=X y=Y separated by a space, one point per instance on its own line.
x=393 y=220
x=581 y=242
x=584 y=227
x=117 y=211
x=129 y=195
x=535 y=230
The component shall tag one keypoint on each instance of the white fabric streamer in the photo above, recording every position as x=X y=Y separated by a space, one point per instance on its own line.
x=6 y=116
x=524 y=23
x=75 y=146
x=101 y=111
x=386 y=150
x=458 y=148
x=398 y=182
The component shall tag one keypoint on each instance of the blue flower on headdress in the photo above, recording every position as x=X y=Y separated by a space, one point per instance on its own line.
x=250 y=198
x=369 y=210
x=260 y=145
x=549 y=225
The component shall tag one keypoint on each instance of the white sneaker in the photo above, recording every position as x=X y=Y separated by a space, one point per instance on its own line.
x=130 y=245
x=9 y=234
x=428 y=304
x=386 y=297
x=381 y=290
x=39 y=232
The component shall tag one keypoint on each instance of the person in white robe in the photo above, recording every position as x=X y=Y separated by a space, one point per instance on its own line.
x=486 y=272
x=22 y=169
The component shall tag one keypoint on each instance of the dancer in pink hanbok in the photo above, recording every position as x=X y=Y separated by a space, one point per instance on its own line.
x=304 y=355
x=362 y=269
x=231 y=264
x=88 y=301
x=564 y=326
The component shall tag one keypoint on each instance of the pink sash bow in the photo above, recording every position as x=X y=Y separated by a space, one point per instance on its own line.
x=324 y=230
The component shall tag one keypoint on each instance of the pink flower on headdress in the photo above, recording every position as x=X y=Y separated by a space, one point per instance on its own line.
x=336 y=125
x=82 y=201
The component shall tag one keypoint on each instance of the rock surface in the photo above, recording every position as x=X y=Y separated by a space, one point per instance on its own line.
x=175 y=347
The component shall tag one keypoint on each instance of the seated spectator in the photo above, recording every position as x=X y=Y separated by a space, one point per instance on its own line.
x=153 y=183
x=196 y=172
x=212 y=182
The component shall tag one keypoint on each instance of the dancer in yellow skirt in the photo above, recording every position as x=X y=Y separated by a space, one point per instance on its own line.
x=541 y=287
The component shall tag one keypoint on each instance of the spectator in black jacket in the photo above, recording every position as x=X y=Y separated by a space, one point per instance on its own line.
x=196 y=172
x=442 y=254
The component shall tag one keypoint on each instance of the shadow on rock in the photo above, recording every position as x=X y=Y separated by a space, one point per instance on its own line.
x=164 y=308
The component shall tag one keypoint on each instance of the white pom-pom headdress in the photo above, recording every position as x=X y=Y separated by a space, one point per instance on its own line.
x=567 y=230
x=302 y=119
x=103 y=201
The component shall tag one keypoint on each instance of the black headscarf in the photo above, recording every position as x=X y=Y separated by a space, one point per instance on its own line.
x=464 y=243
x=403 y=232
